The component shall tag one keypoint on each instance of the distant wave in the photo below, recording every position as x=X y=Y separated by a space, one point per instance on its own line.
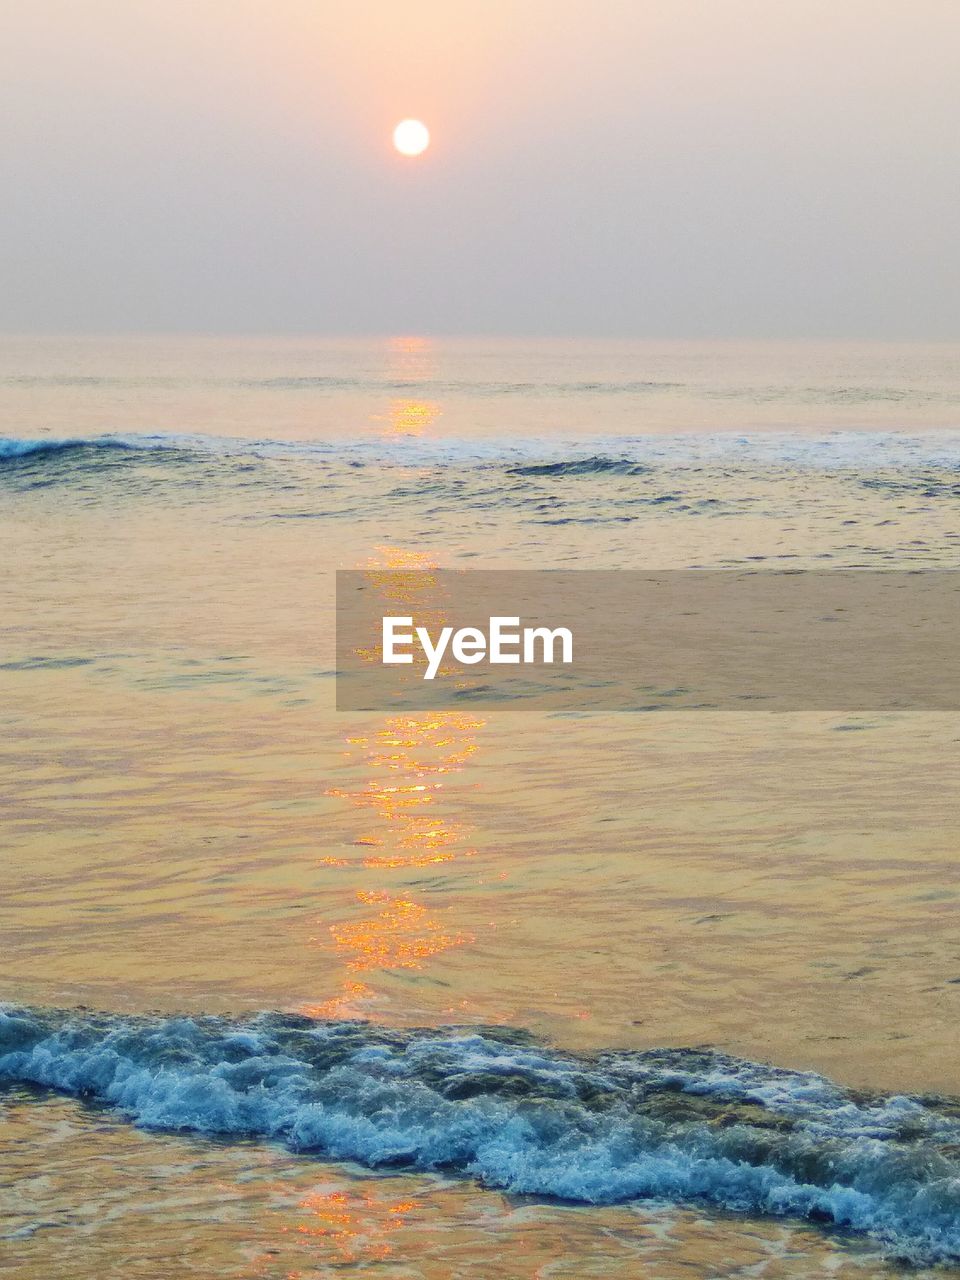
x=686 y=1125
x=13 y=448
x=542 y=455
x=366 y=383
x=468 y=387
x=334 y=382
x=594 y=465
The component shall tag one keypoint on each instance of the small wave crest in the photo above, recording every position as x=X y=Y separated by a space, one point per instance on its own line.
x=592 y=466
x=494 y=1104
x=13 y=449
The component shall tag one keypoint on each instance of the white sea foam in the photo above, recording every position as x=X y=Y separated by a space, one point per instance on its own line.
x=683 y=1125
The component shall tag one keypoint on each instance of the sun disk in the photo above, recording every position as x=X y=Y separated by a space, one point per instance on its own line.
x=411 y=137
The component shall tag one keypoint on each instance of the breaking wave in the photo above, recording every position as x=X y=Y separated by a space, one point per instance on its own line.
x=535 y=456
x=13 y=449
x=494 y=1104
x=590 y=466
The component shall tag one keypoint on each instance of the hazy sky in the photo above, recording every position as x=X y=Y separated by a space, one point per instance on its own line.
x=639 y=167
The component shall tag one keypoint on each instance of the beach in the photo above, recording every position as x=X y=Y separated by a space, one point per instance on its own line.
x=206 y=862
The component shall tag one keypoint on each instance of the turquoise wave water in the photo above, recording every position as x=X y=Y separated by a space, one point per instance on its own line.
x=493 y=1104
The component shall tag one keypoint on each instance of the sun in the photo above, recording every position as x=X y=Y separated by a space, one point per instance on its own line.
x=411 y=137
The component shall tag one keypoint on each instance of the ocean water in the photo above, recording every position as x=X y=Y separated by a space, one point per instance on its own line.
x=485 y=992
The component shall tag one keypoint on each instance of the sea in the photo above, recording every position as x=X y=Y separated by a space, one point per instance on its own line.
x=484 y=991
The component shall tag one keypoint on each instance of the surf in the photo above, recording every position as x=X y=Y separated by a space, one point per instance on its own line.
x=496 y=1105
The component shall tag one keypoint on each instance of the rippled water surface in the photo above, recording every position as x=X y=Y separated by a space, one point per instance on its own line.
x=189 y=828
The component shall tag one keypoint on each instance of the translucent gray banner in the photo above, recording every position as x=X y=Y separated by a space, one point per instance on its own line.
x=834 y=640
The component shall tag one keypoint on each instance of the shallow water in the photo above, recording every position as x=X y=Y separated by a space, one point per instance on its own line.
x=177 y=1206
x=189 y=827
